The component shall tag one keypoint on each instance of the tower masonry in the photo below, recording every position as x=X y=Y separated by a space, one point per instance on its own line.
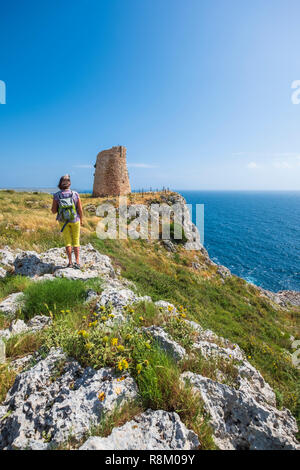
x=111 y=174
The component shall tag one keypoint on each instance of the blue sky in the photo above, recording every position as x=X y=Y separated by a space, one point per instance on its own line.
x=198 y=91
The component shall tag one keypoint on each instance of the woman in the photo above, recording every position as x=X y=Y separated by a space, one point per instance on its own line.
x=70 y=228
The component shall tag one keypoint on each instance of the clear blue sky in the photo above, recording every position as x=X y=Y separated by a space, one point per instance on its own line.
x=199 y=91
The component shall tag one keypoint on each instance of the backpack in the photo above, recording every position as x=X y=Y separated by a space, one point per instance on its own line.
x=66 y=209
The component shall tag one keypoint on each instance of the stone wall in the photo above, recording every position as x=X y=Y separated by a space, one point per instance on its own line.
x=111 y=175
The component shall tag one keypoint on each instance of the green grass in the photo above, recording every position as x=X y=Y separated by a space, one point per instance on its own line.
x=12 y=284
x=232 y=309
x=53 y=295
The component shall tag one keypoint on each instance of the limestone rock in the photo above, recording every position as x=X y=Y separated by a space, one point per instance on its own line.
x=7 y=256
x=53 y=262
x=39 y=322
x=19 y=326
x=166 y=342
x=284 y=298
x=57 y=398
x=11 y=304
x=2 y=273
x=91 y=295
x=248 y=378
x=2 y=352
x=167 y=307
x=223 y=271
x=169 y=246
x=22 y=362
x=118 y=298
x=152 y=430
x=239 y=422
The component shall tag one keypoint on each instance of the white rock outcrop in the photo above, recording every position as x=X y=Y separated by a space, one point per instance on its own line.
x=57 y=398
x=11 y=304
x=239 y=422
x=166 y=343
x=152 y=430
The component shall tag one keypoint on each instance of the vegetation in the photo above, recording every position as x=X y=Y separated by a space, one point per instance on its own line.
x=53 y=296
x=231 y=308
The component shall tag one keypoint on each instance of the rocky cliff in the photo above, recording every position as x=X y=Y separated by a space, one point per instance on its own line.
x=74 y=369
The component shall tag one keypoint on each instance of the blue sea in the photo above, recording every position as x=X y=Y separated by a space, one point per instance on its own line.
x=255 y=234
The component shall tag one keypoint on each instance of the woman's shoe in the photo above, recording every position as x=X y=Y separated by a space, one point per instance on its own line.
x=70 y=265
x=76 y=266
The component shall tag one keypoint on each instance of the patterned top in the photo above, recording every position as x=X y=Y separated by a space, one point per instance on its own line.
x=67 y=193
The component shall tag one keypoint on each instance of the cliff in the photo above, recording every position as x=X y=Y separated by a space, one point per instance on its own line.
x=147 y=336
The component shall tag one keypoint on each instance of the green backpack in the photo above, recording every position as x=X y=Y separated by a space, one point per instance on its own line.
x=66 y=209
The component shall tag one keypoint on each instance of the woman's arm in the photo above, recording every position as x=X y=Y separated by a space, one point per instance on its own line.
x=54 y=207
x=79 y=210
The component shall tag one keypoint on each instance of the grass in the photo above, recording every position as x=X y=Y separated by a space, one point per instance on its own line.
x=23 y=345
x=7 y=378
x=12 y=284
x=52 y=296
x=233 y=309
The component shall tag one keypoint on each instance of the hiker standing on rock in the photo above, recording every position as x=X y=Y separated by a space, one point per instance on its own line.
x=67 y=206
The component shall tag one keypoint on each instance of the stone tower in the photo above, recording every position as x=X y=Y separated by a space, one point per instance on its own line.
x=111 y=175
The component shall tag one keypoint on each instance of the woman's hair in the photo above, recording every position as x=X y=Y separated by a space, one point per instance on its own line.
x=64 y=182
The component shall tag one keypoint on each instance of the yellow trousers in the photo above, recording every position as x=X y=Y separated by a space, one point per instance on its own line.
x=71 y=234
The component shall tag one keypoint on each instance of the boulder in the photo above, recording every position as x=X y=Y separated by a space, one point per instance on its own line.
x=223 y=272
x=7 y=256
x=169 y=246
x=2 y=273
x=248 y=378
x=152 y=430
x=239 y=422
x=11 y=304
x=166 y=343
x=19 y=326
x=57 y=399
x=167 y=307
x=2 y=352
x=53 y=262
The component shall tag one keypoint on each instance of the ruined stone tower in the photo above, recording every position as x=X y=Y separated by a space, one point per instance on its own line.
x=111 y=175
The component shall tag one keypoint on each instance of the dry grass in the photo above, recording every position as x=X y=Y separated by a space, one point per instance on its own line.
x=22 y=345
x=7 y=378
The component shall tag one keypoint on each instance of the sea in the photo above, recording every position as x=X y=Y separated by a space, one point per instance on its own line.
x=256 y=234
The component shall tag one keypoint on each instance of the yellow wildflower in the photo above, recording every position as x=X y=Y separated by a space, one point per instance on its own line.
x=105 y=339
x=139 y=368
x=101 y=396
x=89 y=345
x=114 y=341
x=141 y=318
x=121 y=348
